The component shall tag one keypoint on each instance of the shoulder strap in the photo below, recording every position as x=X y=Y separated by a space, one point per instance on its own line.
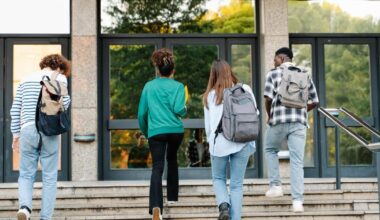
x=37 y=119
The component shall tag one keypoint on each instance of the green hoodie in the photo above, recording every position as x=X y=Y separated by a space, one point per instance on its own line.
x=162 y=104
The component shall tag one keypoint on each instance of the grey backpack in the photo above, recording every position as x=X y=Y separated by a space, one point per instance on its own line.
x=240 y=121
x=293 y=89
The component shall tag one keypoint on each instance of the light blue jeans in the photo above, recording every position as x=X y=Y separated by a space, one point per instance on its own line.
x=29 y=156
x=238 y=164
x=295 y=134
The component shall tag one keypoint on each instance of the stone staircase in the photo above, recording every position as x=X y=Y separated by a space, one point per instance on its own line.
x=129 y=200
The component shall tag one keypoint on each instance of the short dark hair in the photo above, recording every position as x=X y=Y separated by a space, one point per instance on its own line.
x=286 y=51
x=163 y=59
x=55 y=61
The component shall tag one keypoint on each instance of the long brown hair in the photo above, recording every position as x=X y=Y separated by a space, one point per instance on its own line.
x=221 y=77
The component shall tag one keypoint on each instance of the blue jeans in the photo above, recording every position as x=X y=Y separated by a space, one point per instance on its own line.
x=295 y=133
x=238 y=165
x=29 y=156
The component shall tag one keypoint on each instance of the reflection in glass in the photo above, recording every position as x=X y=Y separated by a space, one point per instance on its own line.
x=129 y=149
x=331 y=16
x=347 y=78
x=26 y=59
x=302 y=58
x=193 y=63
x=179 y=16
x=130 y=69
x=241 y=62
x=351 y=152
x=347 y=75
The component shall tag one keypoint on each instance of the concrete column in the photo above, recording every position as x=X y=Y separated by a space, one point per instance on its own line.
x=273 y=35
x=84 y=156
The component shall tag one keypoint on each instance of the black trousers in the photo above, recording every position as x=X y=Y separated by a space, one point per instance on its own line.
x=159 y=144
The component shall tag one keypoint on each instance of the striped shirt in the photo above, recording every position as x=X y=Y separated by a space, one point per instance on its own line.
x=23 y=111
x=280 y=114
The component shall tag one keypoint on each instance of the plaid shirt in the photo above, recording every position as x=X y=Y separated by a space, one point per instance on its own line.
x=279 y=113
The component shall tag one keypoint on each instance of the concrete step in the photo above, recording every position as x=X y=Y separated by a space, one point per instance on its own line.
x=327 y=215
x=201 y=207
x=98 y=198
x=129 y=200
x=191 y=186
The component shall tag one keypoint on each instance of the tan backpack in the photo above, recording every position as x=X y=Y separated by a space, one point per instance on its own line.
x=51 y=117
x=52 y=95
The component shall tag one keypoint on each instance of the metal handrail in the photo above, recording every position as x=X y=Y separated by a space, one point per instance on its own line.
x=371 y=146
x=375 y=147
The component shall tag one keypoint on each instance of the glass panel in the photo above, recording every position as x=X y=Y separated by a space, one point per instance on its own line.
x=193 y=63
x=242 y=62
x=130 y=69
x=302 y=58
x=26 y=59
x=178 y=16
x=333 y=16
x=35 y=17
x=351 y=152
x=129 y=149
x=347 y=75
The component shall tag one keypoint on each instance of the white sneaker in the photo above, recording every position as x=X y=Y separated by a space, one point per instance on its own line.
x=274 y=191
x=297 y=206
x=172 y=202
x=156 y=214
x=23 y=214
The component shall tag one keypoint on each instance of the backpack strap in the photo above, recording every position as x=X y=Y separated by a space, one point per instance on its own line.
x=37 y=119
x=218 y=130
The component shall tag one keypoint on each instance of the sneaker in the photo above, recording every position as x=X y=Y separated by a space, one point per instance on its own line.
x=172 y=202
x=156 y=214
x=297 y=206
x=274 y=191
x=224 y=211
x=23 y=213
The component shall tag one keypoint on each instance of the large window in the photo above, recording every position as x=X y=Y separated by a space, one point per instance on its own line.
x=178 y=16
x=334 y=16
x=35 y=17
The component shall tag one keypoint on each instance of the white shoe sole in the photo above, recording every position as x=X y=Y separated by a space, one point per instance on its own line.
x=21 y=216
x=274 y=196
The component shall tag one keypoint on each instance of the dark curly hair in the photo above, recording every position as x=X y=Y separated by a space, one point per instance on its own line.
x=55 y=61
x=163 y=59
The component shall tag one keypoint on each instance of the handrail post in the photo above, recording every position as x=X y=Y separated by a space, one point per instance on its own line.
x=337 y=152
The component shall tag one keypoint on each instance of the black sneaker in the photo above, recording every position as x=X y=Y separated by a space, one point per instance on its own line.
x=23 y=213
x=224 y=211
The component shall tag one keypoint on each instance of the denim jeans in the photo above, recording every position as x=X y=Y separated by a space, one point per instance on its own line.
x=29 y=156
x=158 y=145
x=295 y=134
x=238 y=164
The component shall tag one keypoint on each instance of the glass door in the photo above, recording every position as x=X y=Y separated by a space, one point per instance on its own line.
x=126 y=69
x=22 y=58
x=348 y=73
x=304 y=50
x=193 y=62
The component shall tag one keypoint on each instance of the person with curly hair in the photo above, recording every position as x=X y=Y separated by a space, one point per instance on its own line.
x=161 y=107
x=26 y=138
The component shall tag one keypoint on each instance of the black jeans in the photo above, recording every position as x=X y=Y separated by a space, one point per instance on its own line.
x=158 y=145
